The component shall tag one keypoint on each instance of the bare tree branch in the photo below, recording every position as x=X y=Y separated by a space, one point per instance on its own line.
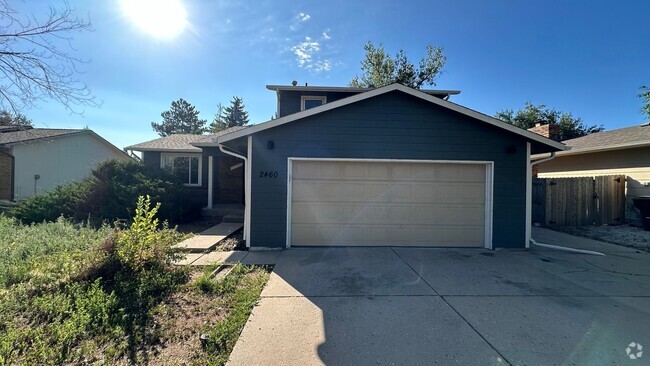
x=37 y=61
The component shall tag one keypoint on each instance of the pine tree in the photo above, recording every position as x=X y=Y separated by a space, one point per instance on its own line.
x=14 y=119
x=235 y=115
x=182 y=117
x=218 y=123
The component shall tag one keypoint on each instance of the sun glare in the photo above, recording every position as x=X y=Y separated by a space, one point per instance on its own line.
x=163 y=19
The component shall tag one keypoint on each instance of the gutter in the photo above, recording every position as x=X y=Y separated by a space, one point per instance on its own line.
x=533 y=163
x=247 y=191
x=566 y=249
x=557 y=247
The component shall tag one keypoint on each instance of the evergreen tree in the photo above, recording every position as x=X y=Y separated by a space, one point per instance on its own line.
x=235 y=115
x=14 y=119
x=218 y=123
x=182 y=117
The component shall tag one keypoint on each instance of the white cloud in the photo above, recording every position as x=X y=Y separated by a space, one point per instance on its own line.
x=298 y=20
x=308 y=56
x=326 y=35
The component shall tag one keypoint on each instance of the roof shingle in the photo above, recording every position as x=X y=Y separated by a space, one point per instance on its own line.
x=622 y=136
x=180 y=142
x=13 y=137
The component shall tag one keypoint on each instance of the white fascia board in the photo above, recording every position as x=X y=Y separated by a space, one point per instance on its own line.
x=383 y=90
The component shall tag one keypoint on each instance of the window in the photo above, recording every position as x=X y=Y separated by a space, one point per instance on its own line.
x=185 y=166
x=307 y=102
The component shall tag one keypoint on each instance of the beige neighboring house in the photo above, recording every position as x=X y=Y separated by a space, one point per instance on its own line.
x=623 y=151
x=35 y=160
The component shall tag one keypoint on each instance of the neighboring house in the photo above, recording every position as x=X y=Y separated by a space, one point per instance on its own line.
x=35 y=160
x=389 y=166
x=175 y=152
x=622 y=151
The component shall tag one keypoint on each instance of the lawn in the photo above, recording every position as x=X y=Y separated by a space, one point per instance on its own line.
x=73 y=294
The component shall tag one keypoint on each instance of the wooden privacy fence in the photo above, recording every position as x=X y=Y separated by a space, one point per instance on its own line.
x=579 y=201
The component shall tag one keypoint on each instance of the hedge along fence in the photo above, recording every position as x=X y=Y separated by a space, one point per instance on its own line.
x=109 y=194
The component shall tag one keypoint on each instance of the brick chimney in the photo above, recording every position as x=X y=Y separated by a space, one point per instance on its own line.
x=548 y=130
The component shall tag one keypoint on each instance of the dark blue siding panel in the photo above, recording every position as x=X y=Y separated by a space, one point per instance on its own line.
x=390 y=126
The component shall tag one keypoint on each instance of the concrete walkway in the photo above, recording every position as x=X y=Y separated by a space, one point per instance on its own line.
x=265 y=257
x=421 y=306
x=208 y=239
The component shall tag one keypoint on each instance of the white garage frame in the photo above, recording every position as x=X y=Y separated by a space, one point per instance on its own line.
x=489 y=185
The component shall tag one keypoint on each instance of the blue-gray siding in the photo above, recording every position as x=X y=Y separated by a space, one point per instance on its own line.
x=390 y=126
x=290 y=101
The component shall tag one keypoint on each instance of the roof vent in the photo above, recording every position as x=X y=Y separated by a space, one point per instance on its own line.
x=294 y=83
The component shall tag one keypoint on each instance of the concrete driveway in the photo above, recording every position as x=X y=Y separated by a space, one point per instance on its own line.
x=411 y=306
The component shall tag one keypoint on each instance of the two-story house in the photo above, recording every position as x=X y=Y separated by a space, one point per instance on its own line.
x=391 y=166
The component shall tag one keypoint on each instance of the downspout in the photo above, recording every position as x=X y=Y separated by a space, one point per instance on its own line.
x=247 y=195
x=557 y=247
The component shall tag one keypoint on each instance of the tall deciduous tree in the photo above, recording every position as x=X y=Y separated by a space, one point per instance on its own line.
x=644 y=94
x=379 y=68
x=37 y=59
x=182 y=117
x=570 y=126
x=13 y=119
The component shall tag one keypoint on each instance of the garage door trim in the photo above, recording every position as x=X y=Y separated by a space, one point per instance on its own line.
x=489 y=183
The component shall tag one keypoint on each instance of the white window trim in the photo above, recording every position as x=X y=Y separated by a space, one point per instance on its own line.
x=304 y=98
x=184 y=155
x=489 y=187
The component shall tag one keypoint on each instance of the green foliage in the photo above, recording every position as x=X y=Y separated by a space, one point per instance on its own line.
x=182 y=117
x=14 y=119
x=644 y=94
x=570 y=126
x=240 y=292
x=231 y=116
x=379 y=68
x=110 y=194
x=144 y=246
x=70 y=293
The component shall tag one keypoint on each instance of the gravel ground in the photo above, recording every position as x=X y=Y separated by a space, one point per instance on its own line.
x=625 y=235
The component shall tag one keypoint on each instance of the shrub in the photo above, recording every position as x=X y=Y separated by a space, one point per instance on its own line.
x=143 y=246
x=70 y=293
x=109 y=194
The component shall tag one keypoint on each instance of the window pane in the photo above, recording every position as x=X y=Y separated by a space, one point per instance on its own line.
x=311 y=103
x=194 y=171
x=182 y=168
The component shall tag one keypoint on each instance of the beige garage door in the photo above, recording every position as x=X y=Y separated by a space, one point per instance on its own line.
x=387 y=203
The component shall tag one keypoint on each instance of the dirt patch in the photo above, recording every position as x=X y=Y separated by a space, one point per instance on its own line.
x=233 y=242
x=625 y=235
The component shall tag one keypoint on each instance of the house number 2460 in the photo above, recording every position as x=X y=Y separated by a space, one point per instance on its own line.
x=268 y=174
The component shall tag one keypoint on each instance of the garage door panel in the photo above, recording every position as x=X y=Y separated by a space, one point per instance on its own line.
x=388 y=203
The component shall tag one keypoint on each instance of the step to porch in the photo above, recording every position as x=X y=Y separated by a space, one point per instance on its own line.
x=234 y=216
x=208 y=239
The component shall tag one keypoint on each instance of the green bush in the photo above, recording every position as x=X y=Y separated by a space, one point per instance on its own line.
x=110 y=194
x=71 y=294
x=143 y=246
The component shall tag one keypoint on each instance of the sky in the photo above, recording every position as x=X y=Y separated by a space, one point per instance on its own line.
x=584 y=57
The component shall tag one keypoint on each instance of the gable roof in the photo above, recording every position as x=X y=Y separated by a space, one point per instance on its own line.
x=548 y=143
x=347 y=89
x=28 y=135
x=9 y=137
x=180 y=142
x=622 y=137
